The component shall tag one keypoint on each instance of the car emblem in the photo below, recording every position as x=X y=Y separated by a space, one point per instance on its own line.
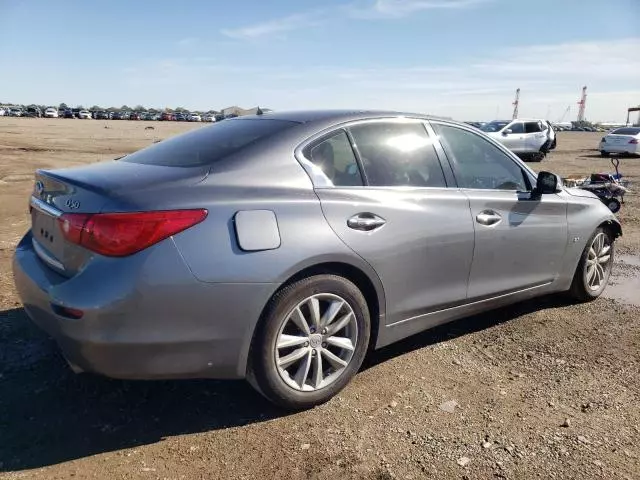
x=72 y=204
x=39 y=188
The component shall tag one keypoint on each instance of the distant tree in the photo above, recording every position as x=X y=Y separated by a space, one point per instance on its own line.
x=125 y=107
x=80 y=107
x=112 y=109
x=62 y=106
x=179 y=109
x=140 y=108
x=96 y=108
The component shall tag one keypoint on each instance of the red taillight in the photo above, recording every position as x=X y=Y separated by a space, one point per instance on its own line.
x=122 y=234
x=633 y=141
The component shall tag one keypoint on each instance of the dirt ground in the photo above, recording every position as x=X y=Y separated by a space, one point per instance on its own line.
x=542 y=389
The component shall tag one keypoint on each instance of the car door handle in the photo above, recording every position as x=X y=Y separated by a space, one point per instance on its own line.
x=365 y=222
x=488 y=217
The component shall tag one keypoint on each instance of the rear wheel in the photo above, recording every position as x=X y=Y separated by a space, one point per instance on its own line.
x=603 y=153
x=311 y=342
x=593 y=272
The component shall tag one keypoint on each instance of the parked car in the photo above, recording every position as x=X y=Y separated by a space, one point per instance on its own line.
x=102 y=115
x=194 y=117
x=622 y=141
x=309 y=272
x=179 y=117
x=33 y=112
x=84 y=115
x=68 y=114
x=3 y=111
x=524 y=137
x=51 y=112
x=166 y=116
x=134 y=116
x=209 y=118
x=16 y=112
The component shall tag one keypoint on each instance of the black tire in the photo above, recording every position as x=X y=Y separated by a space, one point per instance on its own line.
x=263 y=373
x=603 y=153
x=580 y=289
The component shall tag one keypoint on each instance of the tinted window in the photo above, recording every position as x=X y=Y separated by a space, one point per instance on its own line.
x=397 y=154
x=335 y=158
x=531 y=127
x=208 y=144
x=627 y=131
x=516 y=127
x=478 y=163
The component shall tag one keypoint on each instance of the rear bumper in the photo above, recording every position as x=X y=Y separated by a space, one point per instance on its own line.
x=630 y=148
x=144 y=318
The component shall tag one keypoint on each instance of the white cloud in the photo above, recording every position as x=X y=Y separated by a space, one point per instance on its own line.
x=187 y=42
x=276 y=26
x=402 y=8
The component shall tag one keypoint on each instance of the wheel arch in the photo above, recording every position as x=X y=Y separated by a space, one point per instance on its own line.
x=371 y=290
x=613 y=226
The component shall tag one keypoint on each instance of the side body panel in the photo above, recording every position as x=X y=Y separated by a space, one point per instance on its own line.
x=422 y=253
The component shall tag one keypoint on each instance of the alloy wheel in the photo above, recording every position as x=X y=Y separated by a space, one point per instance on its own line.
x=316 y=342
x=598 y=261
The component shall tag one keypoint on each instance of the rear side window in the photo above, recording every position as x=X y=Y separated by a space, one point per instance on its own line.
x=531 y=127
x=208 y=145
x=335 y=158
x=397 y=154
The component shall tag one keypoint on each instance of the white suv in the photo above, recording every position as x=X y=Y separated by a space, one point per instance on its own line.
x=530 y=139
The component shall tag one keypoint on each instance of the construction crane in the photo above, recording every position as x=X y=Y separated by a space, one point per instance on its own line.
x=583 y=104
x=566 y=112
x=516 y=102
x=633 y=109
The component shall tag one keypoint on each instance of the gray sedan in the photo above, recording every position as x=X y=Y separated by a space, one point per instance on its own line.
x=281 y=248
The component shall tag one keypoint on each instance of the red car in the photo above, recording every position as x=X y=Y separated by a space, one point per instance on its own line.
x=134 y=116
x=166 y=116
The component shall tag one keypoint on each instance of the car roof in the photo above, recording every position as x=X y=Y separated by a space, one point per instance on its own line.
x=312 y=116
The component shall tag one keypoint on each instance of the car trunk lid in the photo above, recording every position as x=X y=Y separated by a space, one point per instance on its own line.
x=89 y=189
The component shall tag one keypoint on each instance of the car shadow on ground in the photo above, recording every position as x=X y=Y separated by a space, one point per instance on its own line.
x=50 y=415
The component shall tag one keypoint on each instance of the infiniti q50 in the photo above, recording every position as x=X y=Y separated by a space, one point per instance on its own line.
x=282 y=248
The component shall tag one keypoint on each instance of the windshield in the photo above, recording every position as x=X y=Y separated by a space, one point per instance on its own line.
x=494 y=126
x=209 y=144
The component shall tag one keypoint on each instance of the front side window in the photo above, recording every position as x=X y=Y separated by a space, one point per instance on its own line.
x=397 y=154
x=532 y=127
x=478 y=163
x=516 y=127
x=335 y=157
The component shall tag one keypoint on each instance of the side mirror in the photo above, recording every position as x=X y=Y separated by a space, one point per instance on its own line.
x=508 y=131
x=547 y=182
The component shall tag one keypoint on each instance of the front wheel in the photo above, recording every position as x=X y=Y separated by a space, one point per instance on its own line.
x=311 y=341
x=593 y=272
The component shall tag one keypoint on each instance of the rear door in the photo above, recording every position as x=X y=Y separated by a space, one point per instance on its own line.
x=535 y=136
x=520 y=239
x=383 y=191
x=514 y=140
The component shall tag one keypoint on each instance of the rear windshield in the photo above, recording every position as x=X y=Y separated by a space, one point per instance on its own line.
x=208 y=144
x=627 y=131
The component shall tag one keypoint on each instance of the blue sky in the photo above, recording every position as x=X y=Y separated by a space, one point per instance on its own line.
x=457 y=58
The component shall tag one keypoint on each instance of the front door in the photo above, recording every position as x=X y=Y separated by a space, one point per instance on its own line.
x=514 y=140
x=520 y=239
x=399 y=216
